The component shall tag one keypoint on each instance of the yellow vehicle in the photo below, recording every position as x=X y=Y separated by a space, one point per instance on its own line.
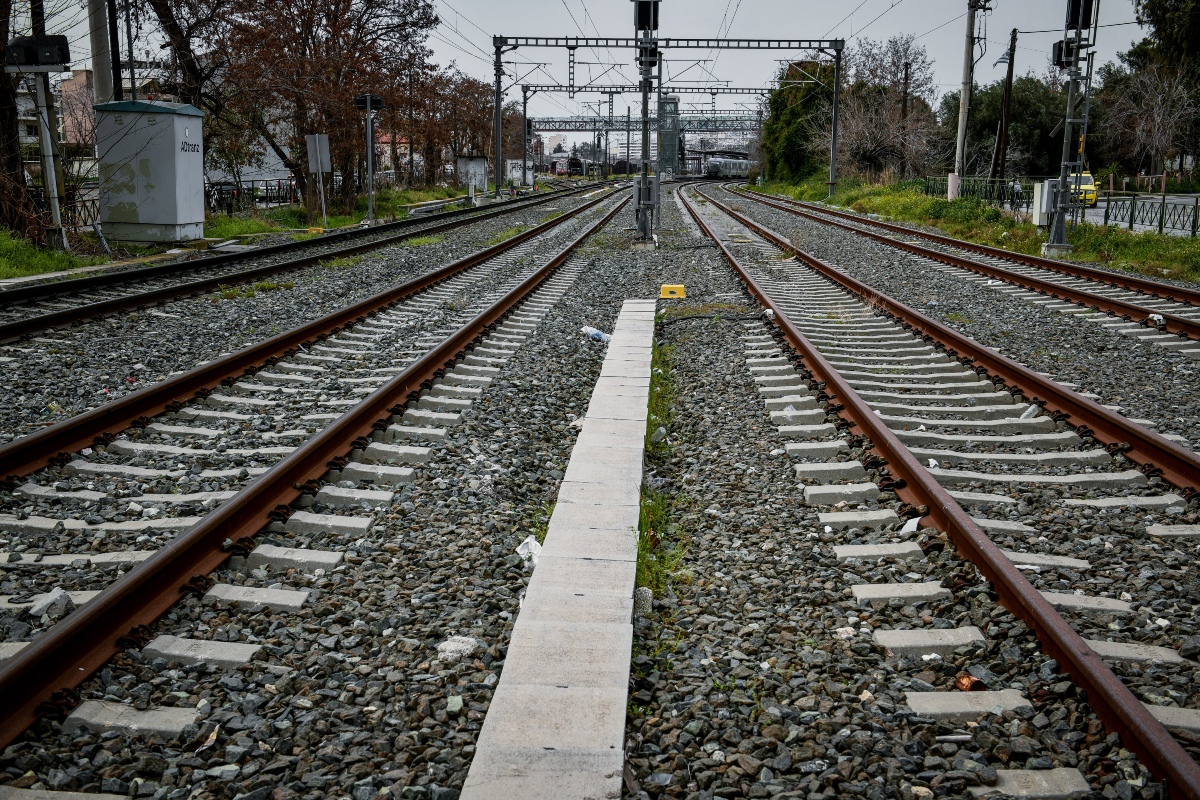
x=1087 y=189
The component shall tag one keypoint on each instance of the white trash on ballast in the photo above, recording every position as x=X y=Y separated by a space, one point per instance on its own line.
x=529 y=550
x=1030 y=412
x=599 y=336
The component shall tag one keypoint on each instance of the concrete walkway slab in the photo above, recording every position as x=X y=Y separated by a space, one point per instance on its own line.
x=556 y=725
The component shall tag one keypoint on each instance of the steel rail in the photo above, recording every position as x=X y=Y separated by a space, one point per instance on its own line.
x=16 y=329
x=100 y=424
x=1181 y=326
x=1155 y=453
x=1108 y=696
x=58 y=661
x=54 y=288
x=1131 y=283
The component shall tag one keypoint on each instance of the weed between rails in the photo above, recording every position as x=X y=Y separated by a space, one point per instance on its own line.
x=661 y=548
x=235 y=292
x=506 y=234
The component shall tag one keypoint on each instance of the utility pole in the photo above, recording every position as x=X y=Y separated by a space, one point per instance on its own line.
x=497 y=121
x=102 y=71
x=837 y=88
x=1067 y=55
x=114 y=50
x=52 y=166
x=997 y=170
x=964 y=98
x=524 y=128
x=129 y=46
x=645 y=24
x=904 y=123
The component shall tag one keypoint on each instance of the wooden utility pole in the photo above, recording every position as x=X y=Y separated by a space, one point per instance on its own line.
x=1002 y=136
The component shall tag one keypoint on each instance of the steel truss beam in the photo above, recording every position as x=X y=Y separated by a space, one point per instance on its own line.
x=686 y=124
x=573 y=42
x=552 y=87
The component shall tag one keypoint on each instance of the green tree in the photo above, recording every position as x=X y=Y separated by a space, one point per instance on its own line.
x=797 y=111
x=1034 y=110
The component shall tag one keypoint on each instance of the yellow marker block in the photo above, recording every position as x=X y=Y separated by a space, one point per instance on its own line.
x=672 y=292
x=316 y=230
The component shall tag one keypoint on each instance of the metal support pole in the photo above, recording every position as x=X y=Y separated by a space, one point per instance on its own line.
x=627 y=150
x=497 y=122
x=1132 y=210
x=114 y=50
x=643 y=189
x=370 y=164
x=102 y=72
x=837 y=88
x=524 y=129
x=129 y=46
x=57 y=236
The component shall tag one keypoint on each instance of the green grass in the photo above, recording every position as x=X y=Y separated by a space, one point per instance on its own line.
x=21 y=257
x=662 y=396
x=506 y=234
x=973 y=220
x=235 y=292
x=417 y=241
x=388 y=204
x=659 y=552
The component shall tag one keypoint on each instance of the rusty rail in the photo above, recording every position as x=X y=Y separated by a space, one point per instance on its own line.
x=97 y=426
x=24 y=327
x=1180 y=326
x=1109 y=697
x=69 y=652
x=1131 y=283
x=1156 y=454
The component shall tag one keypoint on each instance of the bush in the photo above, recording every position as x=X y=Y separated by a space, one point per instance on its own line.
x=752 y=177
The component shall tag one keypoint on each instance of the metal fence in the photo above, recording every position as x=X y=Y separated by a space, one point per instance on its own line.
x=1012 y=193
x=1154 y=211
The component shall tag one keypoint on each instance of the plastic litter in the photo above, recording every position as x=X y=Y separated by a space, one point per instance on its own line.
x=592 y=333
x=911 y=525
x=1030 y=412
x=529 y=550
x=933 y=462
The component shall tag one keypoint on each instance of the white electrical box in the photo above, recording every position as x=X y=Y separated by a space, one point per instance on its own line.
x=1043 y=202
x=151 y=157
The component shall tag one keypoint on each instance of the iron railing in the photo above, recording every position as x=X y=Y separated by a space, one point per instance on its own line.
x=1154 y=211
x=1015 y=194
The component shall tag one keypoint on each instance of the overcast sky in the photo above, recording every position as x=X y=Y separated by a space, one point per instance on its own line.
x=467 y=26
x=464 y=37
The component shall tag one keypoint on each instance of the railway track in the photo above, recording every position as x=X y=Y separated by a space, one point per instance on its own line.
x=1156 y=313
x=880 y=405
x=54 y=304
x=896 y=564
x=300 y=440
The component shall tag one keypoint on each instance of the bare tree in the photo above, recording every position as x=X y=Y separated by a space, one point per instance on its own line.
x=886 y=121
x=1147 y=113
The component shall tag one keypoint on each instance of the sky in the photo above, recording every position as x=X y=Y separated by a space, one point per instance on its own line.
x=464 y=37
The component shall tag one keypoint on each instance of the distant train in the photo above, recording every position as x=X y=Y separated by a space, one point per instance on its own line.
x=560 y=167
x=728 y=168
